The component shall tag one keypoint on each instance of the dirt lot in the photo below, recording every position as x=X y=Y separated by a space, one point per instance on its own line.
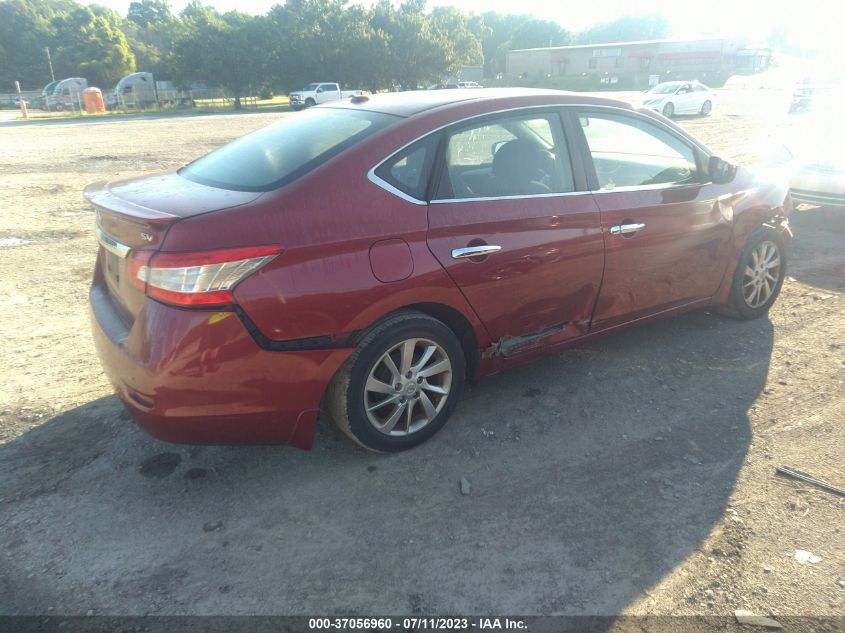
x=632 y=476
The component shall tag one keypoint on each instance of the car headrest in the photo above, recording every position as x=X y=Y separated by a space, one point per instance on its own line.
x=518 y=160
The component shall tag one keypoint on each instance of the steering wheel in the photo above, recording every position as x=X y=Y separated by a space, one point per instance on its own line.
x=676 y=173
x=606 y=170
x=546 y=167
x=460 y=189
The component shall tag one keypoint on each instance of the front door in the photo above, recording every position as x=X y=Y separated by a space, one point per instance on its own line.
x=667 y=235
x=508 y=227
x=684 y=99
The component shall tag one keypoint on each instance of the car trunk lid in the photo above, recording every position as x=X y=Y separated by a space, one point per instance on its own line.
x=133 y=217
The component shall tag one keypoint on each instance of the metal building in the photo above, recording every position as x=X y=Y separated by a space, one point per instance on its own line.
x=637 y=65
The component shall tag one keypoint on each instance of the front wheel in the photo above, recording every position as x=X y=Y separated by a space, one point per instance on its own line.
x=669 y=110
x=706 y=107
x=401 y=385
x=309 y=103
x=759 y=274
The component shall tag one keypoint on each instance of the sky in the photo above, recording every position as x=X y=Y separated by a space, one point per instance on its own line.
x=816 y=20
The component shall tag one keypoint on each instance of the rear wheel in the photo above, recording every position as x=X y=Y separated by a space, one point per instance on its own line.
x=706 y=107
x=669 y=110
x=401 y=385
x=759 y=275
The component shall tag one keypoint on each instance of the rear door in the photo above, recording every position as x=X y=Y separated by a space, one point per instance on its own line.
x=666 y=233
x=507 y=223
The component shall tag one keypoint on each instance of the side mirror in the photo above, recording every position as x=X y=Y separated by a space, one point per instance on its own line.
x=319 y=90
x=721 y=171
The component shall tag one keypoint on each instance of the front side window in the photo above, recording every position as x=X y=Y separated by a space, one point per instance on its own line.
x=630 y=152
x=286 y=150
x=664 y=89
x=508 y=156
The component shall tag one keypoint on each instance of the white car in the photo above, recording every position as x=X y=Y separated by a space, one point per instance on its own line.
x=680 y=97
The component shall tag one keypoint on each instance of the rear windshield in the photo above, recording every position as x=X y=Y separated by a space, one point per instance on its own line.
x=280 y=153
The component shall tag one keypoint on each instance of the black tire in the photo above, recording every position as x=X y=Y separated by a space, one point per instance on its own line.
x=669 y=110
x=296 y=108
x=738 y=305
x=310 y=103
x=346 y=395
x=706 y=107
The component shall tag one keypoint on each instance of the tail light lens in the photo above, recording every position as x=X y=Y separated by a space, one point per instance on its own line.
x=205 y=278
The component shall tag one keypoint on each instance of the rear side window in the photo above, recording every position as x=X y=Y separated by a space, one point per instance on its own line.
x=279 y=154
x=511 y=155
x=410 y=169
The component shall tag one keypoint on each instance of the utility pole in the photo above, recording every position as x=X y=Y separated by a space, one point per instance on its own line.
x=50 y=63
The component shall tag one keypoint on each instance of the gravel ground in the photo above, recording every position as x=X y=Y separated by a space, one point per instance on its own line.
x=633 y=476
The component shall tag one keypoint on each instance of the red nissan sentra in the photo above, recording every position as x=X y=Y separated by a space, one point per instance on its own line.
x=372 y=256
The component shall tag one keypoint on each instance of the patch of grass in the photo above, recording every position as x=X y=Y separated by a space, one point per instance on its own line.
x=279 y=103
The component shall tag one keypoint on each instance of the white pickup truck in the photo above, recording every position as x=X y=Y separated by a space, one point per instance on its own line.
x=319 y=92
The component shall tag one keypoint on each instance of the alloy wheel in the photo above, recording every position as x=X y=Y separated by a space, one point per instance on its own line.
x=407 y=387
x=761 y=275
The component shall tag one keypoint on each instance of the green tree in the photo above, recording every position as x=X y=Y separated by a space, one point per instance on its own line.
x=148 y=13
x=151 y=29
x=496 y=40
x=462 y=34
x=628 y=28
x=417 y=51
x=90 y=44
x=534 y=33
x=26 y=28
x=222 y=50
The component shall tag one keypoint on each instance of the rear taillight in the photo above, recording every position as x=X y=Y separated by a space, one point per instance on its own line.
x=205 y=278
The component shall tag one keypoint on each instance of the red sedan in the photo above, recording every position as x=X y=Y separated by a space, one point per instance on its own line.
x=369 y=257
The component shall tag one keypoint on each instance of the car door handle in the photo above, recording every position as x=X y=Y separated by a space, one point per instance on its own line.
x=475 y=251
x=626 y=229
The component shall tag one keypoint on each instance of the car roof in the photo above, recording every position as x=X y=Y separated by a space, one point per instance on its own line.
x=409 y=103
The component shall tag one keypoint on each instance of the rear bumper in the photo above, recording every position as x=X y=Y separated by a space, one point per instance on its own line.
x=198 y=377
